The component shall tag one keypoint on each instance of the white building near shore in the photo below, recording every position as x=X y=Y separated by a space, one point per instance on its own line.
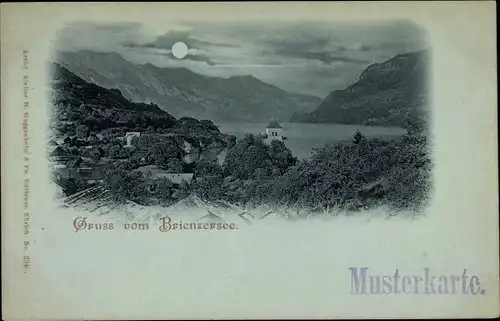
x=274 y=131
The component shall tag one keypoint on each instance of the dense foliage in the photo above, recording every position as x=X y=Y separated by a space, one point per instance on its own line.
x=252 y=157
x=358 y=174
x=361 y=174
x=139 y=187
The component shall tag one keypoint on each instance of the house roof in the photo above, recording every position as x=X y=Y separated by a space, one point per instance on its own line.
x=59 y=151
x=274 y=124
x=157 y=172
x=75 y=162
x=80 y=162
x=62 y=158
x=178 y=178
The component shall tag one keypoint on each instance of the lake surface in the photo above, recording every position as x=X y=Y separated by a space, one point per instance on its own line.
x=303 y=137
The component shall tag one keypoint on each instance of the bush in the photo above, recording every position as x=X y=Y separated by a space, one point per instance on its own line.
x=362 y=174
x=82 y=131
x=118 y=152
x=126 y=185
x=251 y=154
x=174 y=165
x=164 y=190
x=357 y=137
x=208 y=181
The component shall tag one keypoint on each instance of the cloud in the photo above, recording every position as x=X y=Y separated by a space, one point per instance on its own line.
x=190 y=57
x=200 y=58
x=98 y=36
x=117 y=28
x=317 y=47
x=324 y=57
x=167 y=40
x=311 y=57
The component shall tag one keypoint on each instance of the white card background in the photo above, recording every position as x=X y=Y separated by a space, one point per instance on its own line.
x=273 y=270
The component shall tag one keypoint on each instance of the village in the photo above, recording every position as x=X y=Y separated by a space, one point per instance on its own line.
x=90 y=164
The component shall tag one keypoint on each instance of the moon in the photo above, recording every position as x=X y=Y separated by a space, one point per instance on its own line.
x=179 y=50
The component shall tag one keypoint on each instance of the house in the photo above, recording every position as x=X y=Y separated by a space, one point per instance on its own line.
x=60 y=159
x=178 y=178
x=274 y=130
x=59 y=151
x=61 y=171
x=68 y=140
x=175 y=178
x=52 y=142
x=72 y=141
x=129 y=136
x=79 y=168
x=51 y=146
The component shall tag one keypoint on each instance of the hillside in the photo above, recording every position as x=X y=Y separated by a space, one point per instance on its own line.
x=76 y=100
x=91 y=121
x=80 y=102
x=184 y=93
x=386 y=94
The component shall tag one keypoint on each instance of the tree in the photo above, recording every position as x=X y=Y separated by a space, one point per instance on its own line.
x=126 y=185
x=249 y=154
x=208 y=181
x=164 y=190
x=261 y=173
x=92 y=140
x=124 y=153
x=232 y=142
x=189 y=122
x=209 y=125
x=205 y=168
x=115 y=151
x=415 y=126
x=174 y=165
x=182 y=192
x=163 y=153
x=94 y=154
x=357 y=137
x=281 y=156
x=67 y=141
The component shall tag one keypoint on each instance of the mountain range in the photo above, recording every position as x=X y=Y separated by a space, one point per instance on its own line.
x=182 y=92
x=85 y=111
x=390 y=93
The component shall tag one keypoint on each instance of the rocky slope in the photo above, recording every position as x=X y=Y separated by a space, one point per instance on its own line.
x=184 y=93
x=387 y=94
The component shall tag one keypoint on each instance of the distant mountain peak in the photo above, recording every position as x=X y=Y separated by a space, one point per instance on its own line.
x=243 y=77
x=153 y=66
x=387 y=93
x=183 y=92
x=90 y=53
x=250 y=79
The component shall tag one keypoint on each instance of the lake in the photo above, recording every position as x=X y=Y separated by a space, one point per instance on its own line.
x=303 y=137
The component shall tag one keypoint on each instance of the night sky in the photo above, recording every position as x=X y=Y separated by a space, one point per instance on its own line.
x=313 y=58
